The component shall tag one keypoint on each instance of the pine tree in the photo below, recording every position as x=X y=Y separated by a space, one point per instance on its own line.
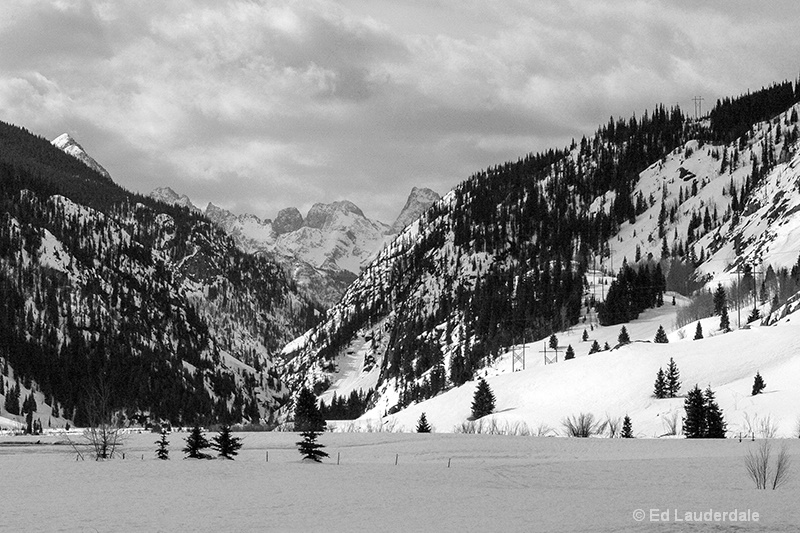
x=758 y=384
x=724 y=321
x=660 y=387
x=755 y=314
x=553 y=342
x=162 y=452
x=309 y=448
x=720 y=300
x=422 y=424
x=698 y=332
x=661 y=335
x=606 y=347
x=196 y=442
x=623 y=337
x=694 y=424
x=307 y=416
x=570 y=353
x=673 y=379
x=584 y=337
x=225 y=443
x=483 y=400
x=715 y=423
x=627 y=429
x=595 y=347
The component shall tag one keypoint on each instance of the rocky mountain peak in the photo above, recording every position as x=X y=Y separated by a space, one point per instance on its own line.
x=169 y=196
x=418 y=202
x=67 y=144
x=288 y=220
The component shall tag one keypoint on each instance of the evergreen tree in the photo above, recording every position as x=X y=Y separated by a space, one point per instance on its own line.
x=162 y=452
x=758 y=384
x=694 y=423
x=307 y=416
x=755 y=314
x=627 y=429
x=660 y=388
x=483 y=400
x=225 y=443
x=595 y=347
x=309 y=447
x=553 y=342
x=422 y=424
x=196 y=442
x=715 y=423
x=606 y=347
x=724 y=321
x=673 y=379
x=570 y=353
x=661 y=335
x=623 y=337
x=698 y=332
x=584 y=337
x=720 y=300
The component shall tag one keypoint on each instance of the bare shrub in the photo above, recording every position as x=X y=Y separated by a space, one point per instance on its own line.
x=613 y=426
x=761 y=470
x=543 y=430
x=490 y=426
x=700 y=306
x=761 y=427
x=583 y=425
x=105 y=431
x=671 y=423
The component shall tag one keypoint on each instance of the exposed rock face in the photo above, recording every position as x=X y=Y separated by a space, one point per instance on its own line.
x=69 y=145
x=168 y=196
x=418 y=202
x=288 y=220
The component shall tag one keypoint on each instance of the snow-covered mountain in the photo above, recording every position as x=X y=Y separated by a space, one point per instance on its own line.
x=325 y=251
x=506 y=258
x=69 y=145
x=168 y=196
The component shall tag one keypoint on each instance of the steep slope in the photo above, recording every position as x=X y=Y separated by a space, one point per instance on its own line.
x=70 y=146
x=107 y=290
x=418 y=202
x=505 y=256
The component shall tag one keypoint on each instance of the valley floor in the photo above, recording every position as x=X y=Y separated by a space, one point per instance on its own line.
x=493 y=483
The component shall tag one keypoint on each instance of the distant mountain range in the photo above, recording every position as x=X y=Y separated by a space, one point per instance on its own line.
x=325 y=251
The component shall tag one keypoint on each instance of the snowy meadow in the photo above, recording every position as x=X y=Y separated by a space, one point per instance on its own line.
x=397 y=482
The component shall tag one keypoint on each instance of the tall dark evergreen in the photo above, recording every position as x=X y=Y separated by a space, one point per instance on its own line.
x=720 y=300
x=758 y=384
x=627 y=428
x=307 y=416
x=623 y=337
x=570 y=353
x=196 y=442
x=483 y=400
x=673 y=376
x=422 y=424
x=660 y=387
x=715 y=423
x=694 y=423
x=309 y=447
x=698 y=332
x=162 y=452
x=661 y=336
x=225 y=444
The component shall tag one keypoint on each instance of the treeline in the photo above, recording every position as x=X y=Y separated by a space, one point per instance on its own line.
x=632 y=292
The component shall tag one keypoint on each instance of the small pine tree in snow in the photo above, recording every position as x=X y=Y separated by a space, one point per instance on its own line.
x=483 y=401
x=755 y=314
x=225 y=443
x=623 y=337
x=595 y=347
x=162 y=452
x=627 y=428
x=673 y=379
x=606 y=347
x=196 y=442
x=309 y=447
x=661 y=336
x=724 y=320
x=758 y=384
x=570 y=353
x=585 y=336
x=660 y=388
x=698 y=332
x=553 y=342
x=422 y=424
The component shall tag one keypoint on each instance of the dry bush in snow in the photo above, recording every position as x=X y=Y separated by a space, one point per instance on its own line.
x=583 y=425
x=761 y=469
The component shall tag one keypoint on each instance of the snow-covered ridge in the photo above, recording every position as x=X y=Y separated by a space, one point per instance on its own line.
x=70 y=146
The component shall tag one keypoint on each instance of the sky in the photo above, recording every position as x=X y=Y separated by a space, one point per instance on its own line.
x=260 y=105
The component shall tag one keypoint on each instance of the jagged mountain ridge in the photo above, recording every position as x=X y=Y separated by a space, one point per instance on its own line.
x=69 y=145
x=105 y=288
x=442 y=300
x=323 y=252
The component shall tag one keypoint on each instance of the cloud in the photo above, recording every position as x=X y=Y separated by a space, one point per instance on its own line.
x=264 y=104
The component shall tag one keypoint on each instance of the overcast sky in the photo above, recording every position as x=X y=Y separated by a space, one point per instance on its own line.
x=260 y=105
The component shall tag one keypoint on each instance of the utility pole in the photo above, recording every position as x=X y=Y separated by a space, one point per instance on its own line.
x=738 y=287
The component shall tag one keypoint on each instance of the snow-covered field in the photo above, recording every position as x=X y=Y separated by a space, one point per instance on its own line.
x=494 y=483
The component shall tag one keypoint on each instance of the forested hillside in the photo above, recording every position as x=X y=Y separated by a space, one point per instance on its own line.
x=106 y=290
x=503 y=256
